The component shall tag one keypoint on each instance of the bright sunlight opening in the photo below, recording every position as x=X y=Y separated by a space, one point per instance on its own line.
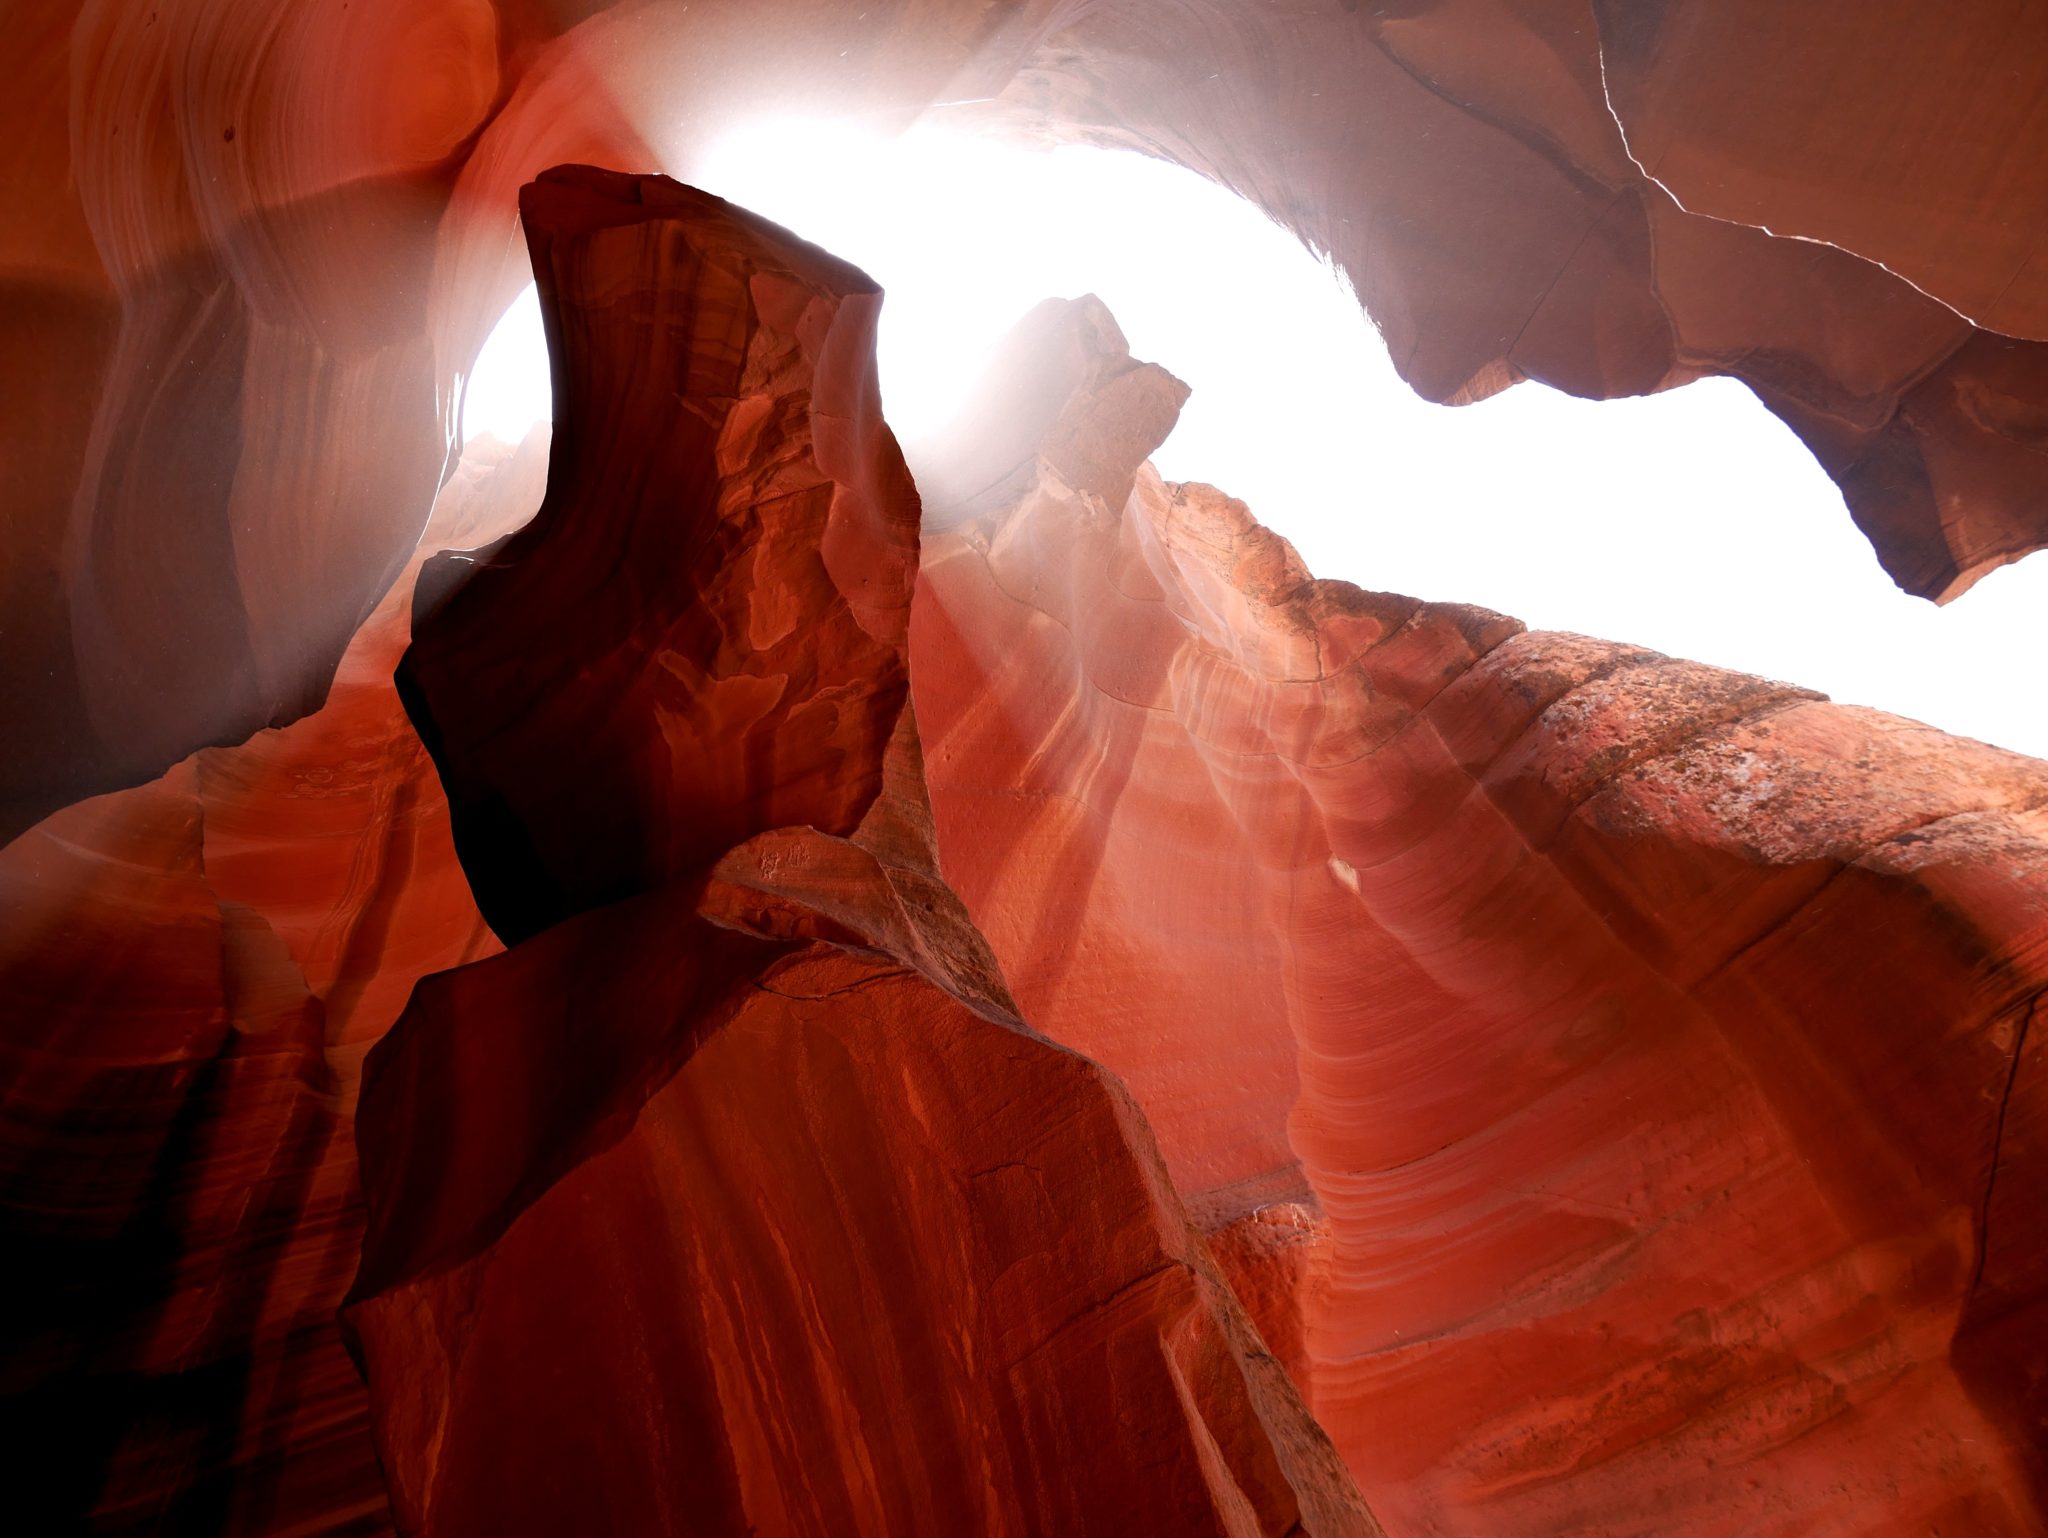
x=1693 y=521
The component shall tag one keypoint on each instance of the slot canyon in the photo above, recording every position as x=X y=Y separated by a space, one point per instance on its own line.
x=710 y=971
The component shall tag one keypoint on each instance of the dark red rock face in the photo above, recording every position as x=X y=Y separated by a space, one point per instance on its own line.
x=699 y=637
x=1080 y=1027
x=190 y=974
x=938 y=1276
x=934 y=1278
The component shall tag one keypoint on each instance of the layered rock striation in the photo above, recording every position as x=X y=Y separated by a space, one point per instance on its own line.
x=737 y=1197
x=190 y=974
x=1604 y=1090
x=1654 y=1041
x=241 y=286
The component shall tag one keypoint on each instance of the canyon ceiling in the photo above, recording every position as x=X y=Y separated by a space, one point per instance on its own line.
x=687 y=975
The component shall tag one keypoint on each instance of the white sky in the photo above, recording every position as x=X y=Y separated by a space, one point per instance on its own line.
x=1692 y=522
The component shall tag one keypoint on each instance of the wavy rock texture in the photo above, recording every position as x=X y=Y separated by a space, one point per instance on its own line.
x=1711 y=103
x=1654 y=1039
x=1462 y=163
x=233 y=333
x=190 y=973
x=940 y=1278
x=1611 y=1085
x=240 y=285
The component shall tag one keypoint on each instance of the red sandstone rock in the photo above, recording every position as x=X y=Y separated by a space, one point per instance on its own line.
x=190 y=973
x=232 y=326
x=1652 y=1037
x=938 y=1284
x=1955 y=137
x=314 y=255
x=1489 y=910
x=1269 y=1240
x=723 y=563
x=942 y=1279
x=1460 y=162
x=1492 y=909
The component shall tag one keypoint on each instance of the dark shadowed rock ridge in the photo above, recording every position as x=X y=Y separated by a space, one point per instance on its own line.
x=190 y=974
x=750 y=1051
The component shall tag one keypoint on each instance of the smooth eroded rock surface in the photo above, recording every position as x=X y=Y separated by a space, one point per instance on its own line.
x=1610 y=1086
x=934 y=1278
x=239 y=285
x=1655 y=1040
x=190 y=974
x=740 y=1199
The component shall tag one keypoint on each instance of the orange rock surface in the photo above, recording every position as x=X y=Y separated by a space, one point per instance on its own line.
x=190 y=974
x=1655 y=1040
x=1568 y=1090
x=240 y=285
x=941 y=1280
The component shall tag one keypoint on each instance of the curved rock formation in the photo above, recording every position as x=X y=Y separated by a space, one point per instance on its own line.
x=232 y=333
x=722 y=566
x=190 y=974
x=1654 y=1039
x=240 y=286
x=1610 y=1086
x=940 y=1278
x=1780 y=157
